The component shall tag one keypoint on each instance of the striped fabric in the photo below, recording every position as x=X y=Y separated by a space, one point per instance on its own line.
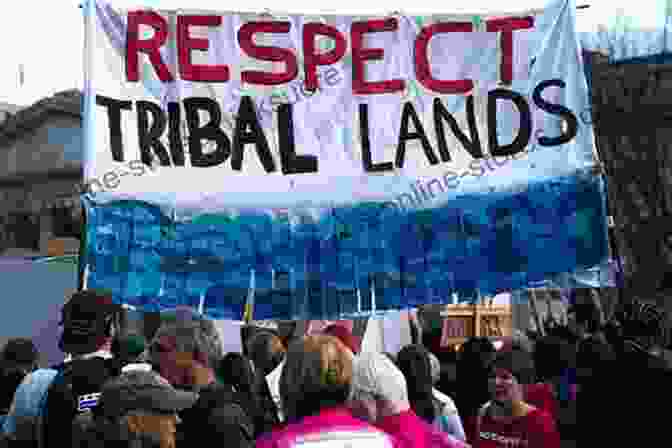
x=87 y=402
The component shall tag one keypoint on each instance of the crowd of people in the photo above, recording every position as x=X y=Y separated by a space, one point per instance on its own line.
x=116 y=389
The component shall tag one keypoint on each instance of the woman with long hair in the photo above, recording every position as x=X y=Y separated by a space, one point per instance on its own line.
x=267 y=353
x=415 y=363
x=235 y=371
x=315 y=386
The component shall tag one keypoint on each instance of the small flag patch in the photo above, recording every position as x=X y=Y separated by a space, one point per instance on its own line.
x=87 y=402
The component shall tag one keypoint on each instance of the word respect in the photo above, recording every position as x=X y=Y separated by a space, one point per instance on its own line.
x=313 y=58
x=160 y=128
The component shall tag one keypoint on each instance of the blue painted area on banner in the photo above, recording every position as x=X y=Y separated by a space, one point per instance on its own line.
x=327 y=265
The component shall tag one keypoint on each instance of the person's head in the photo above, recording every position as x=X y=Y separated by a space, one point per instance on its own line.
x=90 y=320
x=140 y=406
x=186 y=351
x=415 y=364
x=235 y=370
x=552 y=356
x=473 y=369
x=130 y=348
x=643 y=323
x=20 y=352
x=378 y=388
x=512 y=368
x=584 y=318
x=476 y=354
x=594 y=360
x=436 y=367
x=565 y=333
x=317 y=375
x=345 y=336
x=18 y=358
x=266 y=352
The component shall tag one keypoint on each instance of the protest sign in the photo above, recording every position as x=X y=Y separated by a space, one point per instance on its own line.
x=335 y=166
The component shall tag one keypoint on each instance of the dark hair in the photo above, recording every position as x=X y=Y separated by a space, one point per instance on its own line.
x=88 y=319
x=235 y=370
x=588 y=314
x=474 y=350
x=414 y=363
x=552 y=356
x=266 y=351
x=643 y=321
x=317 y=374
x=129 y=348
x=596 y=355
x=473 y=369
x=563 y=332
x=518 y=361
x=10 y=379
x=19 y=351
x=18 y=358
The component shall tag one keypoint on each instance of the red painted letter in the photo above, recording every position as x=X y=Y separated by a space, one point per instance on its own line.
x=312 y=59
x=507 y=25
x=423 y=70
x=149 y=46
x=275 y=54
x=361 y=55
x=186 y=44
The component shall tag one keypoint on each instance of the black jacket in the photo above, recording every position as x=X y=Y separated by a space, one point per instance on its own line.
x=221 y=415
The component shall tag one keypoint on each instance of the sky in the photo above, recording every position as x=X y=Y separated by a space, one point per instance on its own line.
x=50 y=46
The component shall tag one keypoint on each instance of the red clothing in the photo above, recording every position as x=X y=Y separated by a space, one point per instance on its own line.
x=413 y=432
x=541 y=396
x=535 y=430
x=329 y=427
x=469 y=424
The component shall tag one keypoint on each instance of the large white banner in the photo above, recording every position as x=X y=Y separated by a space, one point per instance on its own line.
x=214 y=110
x=325 y=167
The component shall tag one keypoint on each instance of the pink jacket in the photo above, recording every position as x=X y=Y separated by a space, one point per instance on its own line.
x=331 y=427
x=413 y=432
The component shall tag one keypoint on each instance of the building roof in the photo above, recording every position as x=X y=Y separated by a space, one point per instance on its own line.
x=9 y=108
x=26 y=119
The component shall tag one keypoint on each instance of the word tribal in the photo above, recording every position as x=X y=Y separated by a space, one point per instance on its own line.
x=153 y=123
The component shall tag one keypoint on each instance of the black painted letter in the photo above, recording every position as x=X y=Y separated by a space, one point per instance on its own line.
x=472 y=146
x=210 y=132
x=175 y=134
x=369 y=166
x=524 y=129
x=291 y=162
x=114 y=108
x=248 y=130
x=405 y=135
x=555 y=109
x=148 y=137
